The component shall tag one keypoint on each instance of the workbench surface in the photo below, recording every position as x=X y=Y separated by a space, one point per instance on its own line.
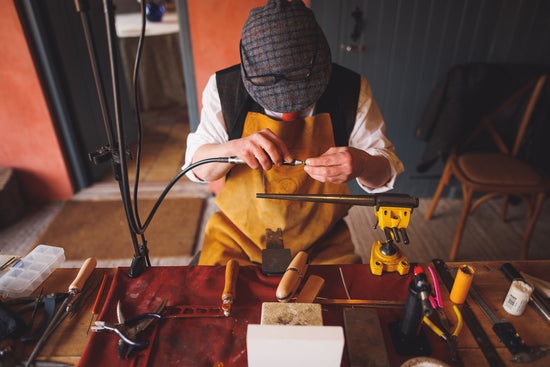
x=70 y=342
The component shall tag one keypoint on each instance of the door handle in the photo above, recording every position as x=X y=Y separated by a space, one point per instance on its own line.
x=357 y=29
x=352 y=48
x=357 y=16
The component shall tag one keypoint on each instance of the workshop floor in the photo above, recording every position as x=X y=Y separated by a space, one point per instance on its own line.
x=485 y=238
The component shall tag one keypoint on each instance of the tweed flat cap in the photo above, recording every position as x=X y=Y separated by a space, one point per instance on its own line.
x=277 y=39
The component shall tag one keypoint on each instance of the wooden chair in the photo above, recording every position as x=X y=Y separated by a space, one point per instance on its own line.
x=496 y=174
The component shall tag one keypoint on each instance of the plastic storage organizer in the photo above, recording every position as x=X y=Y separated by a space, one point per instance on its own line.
x=30 y=271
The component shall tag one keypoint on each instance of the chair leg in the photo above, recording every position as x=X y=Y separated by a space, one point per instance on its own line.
x=531 y=226
x=444 y=181
x=468 y=195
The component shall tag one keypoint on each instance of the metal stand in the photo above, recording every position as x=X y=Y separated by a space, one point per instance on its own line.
x=386 y=257
x=116 y=150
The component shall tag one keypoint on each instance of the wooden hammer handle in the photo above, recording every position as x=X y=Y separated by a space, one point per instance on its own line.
x=231 y=275
x=292 y=277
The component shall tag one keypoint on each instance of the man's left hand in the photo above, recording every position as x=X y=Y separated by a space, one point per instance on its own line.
x=342 y=164
x=336 y=165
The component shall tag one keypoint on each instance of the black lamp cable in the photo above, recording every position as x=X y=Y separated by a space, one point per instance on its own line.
x=137 y=104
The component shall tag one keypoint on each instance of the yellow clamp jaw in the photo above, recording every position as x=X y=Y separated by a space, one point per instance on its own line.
x=394 y=221
x=386 y=257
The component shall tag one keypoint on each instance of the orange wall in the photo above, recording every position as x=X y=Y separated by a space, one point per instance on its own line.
x=215 y=28
x=28 y=142
x=215 y=33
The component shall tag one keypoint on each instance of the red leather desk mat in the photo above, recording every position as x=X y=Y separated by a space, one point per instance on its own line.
x=207 y=341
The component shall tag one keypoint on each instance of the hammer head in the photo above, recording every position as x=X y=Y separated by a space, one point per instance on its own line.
x=275 y=258
x=275 y=261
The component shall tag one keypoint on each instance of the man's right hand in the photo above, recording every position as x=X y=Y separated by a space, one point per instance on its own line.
x=262 y=149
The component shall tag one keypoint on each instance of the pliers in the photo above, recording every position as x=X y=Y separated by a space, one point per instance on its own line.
x=450 y=338
x=129 y=330
x=446 y=334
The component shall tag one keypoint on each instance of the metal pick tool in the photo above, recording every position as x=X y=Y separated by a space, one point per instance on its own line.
x=296 y=162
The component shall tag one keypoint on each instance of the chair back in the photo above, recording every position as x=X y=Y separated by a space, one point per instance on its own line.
x=487 y=122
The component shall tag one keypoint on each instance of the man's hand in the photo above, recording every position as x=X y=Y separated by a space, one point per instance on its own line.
x=262 y=149
x=342 y=164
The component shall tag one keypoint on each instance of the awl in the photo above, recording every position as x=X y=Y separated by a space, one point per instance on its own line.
x=74 y=288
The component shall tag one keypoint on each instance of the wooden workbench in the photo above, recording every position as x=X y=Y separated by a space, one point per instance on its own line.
x=69 y=341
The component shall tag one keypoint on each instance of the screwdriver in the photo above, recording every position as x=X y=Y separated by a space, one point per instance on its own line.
x=95 y=310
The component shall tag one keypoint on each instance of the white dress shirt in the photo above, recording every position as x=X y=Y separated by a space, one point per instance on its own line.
x=368 y=133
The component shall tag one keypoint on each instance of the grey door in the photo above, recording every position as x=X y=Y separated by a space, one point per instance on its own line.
x=404 y=47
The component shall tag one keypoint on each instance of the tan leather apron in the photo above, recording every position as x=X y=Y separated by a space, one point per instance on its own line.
x=238 y=230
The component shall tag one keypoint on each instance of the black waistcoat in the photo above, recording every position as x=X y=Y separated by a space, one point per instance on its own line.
x=339 y=100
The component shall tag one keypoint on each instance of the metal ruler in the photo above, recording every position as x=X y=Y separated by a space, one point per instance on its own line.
x=470 y=318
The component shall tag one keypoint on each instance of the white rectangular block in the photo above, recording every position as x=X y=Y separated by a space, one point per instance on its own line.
x=291 y=345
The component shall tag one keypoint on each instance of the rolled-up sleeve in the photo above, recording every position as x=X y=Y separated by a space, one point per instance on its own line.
x=369 y=134
x=211 y=129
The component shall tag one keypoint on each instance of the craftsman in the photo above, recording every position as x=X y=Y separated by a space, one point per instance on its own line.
x=287 y=100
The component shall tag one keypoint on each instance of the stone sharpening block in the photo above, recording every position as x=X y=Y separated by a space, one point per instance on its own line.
x=276 y=313
x=364 y=338
x=294 y=346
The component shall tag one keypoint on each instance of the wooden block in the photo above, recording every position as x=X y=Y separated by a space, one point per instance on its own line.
x=310 y=290
x=276 y=313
